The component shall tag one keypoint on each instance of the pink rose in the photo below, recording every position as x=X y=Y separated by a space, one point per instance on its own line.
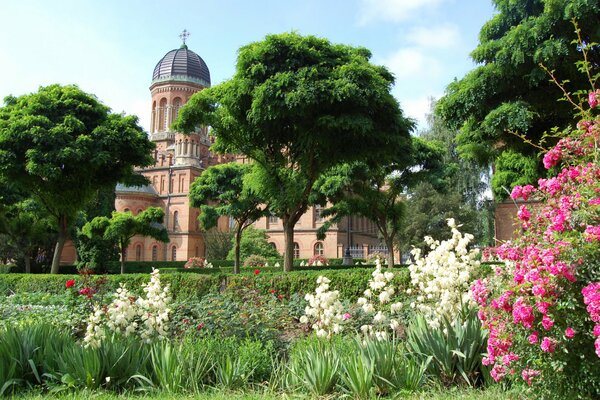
x=346 y=316
x=569 y=332
x=547 y=345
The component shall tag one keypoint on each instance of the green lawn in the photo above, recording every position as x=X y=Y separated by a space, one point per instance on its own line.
x=494 y=393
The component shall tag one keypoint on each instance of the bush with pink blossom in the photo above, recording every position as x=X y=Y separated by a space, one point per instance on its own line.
x=542 y=308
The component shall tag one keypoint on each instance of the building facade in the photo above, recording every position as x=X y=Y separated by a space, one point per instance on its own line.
x=179 y=159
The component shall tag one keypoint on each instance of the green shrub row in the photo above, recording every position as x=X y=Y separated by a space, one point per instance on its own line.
x=351 y=282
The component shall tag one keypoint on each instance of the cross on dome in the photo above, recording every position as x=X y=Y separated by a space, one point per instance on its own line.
x=184 y=35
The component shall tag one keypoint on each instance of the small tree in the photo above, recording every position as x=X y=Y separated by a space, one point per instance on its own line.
x=377 y=192
x=60 y=145
x=298 y=106
x=123 y=226
x=27 y=227
x=220 y=191
x=254 y=242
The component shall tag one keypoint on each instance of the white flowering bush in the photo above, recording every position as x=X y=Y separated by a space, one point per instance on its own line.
x=442 y=279
x=147 y=317
x=324 y=311
x=378 y=303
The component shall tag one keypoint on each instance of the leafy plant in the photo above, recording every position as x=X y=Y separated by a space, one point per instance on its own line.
x=455 y=347
x=315 y=367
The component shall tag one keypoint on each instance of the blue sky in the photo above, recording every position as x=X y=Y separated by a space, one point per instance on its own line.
x=110 y=47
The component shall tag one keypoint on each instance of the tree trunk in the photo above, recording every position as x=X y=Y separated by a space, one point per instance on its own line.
x=238 y=239
x=389 y=242
x=60 y=243
x=288 y=231
x=27 y=264
x=123 y=249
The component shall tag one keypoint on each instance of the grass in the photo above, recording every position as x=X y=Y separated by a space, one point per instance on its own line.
x=492 y=393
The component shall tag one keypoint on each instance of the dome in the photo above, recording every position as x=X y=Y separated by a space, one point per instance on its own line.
x=182 y=64
x=147 y=190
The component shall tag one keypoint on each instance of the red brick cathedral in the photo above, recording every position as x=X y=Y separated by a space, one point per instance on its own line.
x=179 y=159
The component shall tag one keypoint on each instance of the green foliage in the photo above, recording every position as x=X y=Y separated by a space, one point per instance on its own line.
x=508 y=90
x=455 y=348
x=512 y=169
x=217 y=244
x=255 y=261
x=298 y=106
x=427 y=215
x=60 y=145
x=123 y=226
x=27 y=228
x=220 y=191
x=254 y=242
x=314 y=367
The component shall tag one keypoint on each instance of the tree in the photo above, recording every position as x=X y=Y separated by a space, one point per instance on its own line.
x=220 y=191
x=217 y=243
x=61 y=145
x=297 y=106
x=509 y=90
x=27 y=228
x=379 y=193
x=427 y=213
x=254 y=242
x=123 y=226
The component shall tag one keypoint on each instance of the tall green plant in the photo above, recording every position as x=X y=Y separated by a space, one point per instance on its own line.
x=455 y=347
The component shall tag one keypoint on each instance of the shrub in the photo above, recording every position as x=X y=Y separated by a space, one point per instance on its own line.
x=197 y=262
x=255 y=261
x=535 y=305
x=318 y=261
x=254 y=241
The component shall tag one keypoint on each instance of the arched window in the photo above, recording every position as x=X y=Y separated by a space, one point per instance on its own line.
x=162 y=116
x=176 y=221
x=139 y=211
x=196 y=252
x=318 y=210
x=176 y=107
x=273 y=245
x=155 y=253
x=173 y=253
x=296 y=250
x=318 y=250
x=126 y=210
x=138 y=252
x=153 y=122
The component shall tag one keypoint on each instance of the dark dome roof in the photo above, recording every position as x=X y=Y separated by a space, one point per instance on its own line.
x=143 y=190
x=182 y=64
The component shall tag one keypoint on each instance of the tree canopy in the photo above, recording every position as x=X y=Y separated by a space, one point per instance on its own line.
x=61 y=145
x=123 y=226
x=296 y=106
x=509 y=90
x=220 y=191
x=379 y=192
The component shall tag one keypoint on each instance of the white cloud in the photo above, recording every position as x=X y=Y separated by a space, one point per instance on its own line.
x=443 y=36
x=392 y=10
x=412 y=63
x=417 y=108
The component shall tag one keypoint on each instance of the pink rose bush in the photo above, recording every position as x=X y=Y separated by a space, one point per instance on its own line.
x=542 y=309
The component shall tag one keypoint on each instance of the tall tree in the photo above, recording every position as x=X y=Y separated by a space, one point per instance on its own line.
x=509 y=90
x=220 y=191
x=296 y=107
x=123 y=226
x=61 y=145
x=379 y=193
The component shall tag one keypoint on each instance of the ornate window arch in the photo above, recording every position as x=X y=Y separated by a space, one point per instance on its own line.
x=139 y=255
x=162 y=115
x=296 y=250
x=176 y=221
x=155 y=253
x=318 y=249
